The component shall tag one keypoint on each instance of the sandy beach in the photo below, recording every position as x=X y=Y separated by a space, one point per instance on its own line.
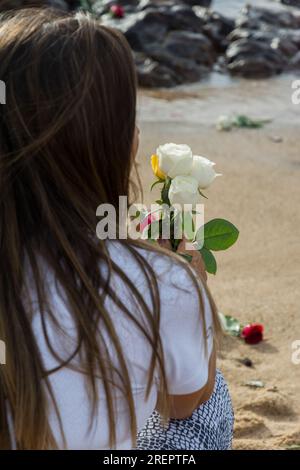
x=258 y=279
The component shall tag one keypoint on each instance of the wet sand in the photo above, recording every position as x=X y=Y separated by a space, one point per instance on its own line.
x=258 y=279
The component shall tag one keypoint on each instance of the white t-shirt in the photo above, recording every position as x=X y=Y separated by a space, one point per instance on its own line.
x=181 y=334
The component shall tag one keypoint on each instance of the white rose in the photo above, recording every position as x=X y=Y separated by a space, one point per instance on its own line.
x=203 y=171
x=184 y=190
x=224 y=123
x=175 y=159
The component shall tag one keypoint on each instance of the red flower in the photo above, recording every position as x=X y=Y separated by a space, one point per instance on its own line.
x=117 y=11
x=146 y=222
x=253 y=333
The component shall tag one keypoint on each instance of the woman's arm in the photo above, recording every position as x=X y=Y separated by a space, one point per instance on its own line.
x=183 y=406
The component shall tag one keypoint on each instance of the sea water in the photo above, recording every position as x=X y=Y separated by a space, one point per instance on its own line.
x=232 y=7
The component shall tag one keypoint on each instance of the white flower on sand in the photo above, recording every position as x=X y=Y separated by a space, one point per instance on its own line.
x=184 y=190
x=203 y=171
x=224 y=123
x=174 y=159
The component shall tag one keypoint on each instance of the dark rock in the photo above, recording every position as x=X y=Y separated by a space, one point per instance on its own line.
x=286 y=42
x=144 y=4
x=144 y=28
x=189 y=45
x=243 y=33
x=294 y=64
x=11 y=4
x=285 y=46
x=177 y=41
x=190 y=55
x=73 y=4
x=263 y=18
x=186 y=70
x=254 y=59
x=151 y=25
x=216 y=26
x=293 y=36
x=125 y=3
x=177 y=15
x=246 y=362
x=169 y=44
x=254 y=67
x=292 y=3
x=265 y=42
x=201 y=3
x=184 y=18
x=152 y=74
x=159 y=3
x=59 y=4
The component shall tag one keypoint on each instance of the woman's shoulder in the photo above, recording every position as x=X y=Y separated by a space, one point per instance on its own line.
x=186 y=324
x=183 y=298
x=170 y=272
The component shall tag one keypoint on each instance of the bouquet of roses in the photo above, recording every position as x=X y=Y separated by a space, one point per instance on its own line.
x=183 y=177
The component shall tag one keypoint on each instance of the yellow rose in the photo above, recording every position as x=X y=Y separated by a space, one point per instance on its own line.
x=155 y=167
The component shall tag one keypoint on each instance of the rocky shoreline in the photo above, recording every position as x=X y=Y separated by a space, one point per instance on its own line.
x=182 y=41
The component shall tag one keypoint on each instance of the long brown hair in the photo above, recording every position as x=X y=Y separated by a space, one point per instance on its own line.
x=66 y=136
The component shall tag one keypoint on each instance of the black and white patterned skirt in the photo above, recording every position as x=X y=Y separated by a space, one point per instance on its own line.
x=209 y=428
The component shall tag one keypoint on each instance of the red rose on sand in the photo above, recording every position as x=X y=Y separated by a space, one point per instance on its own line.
x=117 y=11
x=253 y=333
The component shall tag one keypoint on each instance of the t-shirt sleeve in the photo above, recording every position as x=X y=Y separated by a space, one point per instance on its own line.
x=182 y=334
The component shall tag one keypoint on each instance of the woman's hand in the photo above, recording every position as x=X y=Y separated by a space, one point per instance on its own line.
x=197 y=262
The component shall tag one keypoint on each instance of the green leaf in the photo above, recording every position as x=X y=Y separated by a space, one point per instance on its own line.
x=209 y=261
x=137 y=214
x=245 y=121
x=230 y=324
x=155 y=183
x=219 y=234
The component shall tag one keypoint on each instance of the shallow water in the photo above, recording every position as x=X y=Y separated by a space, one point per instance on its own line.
x=232 y=7
x=202 y=103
